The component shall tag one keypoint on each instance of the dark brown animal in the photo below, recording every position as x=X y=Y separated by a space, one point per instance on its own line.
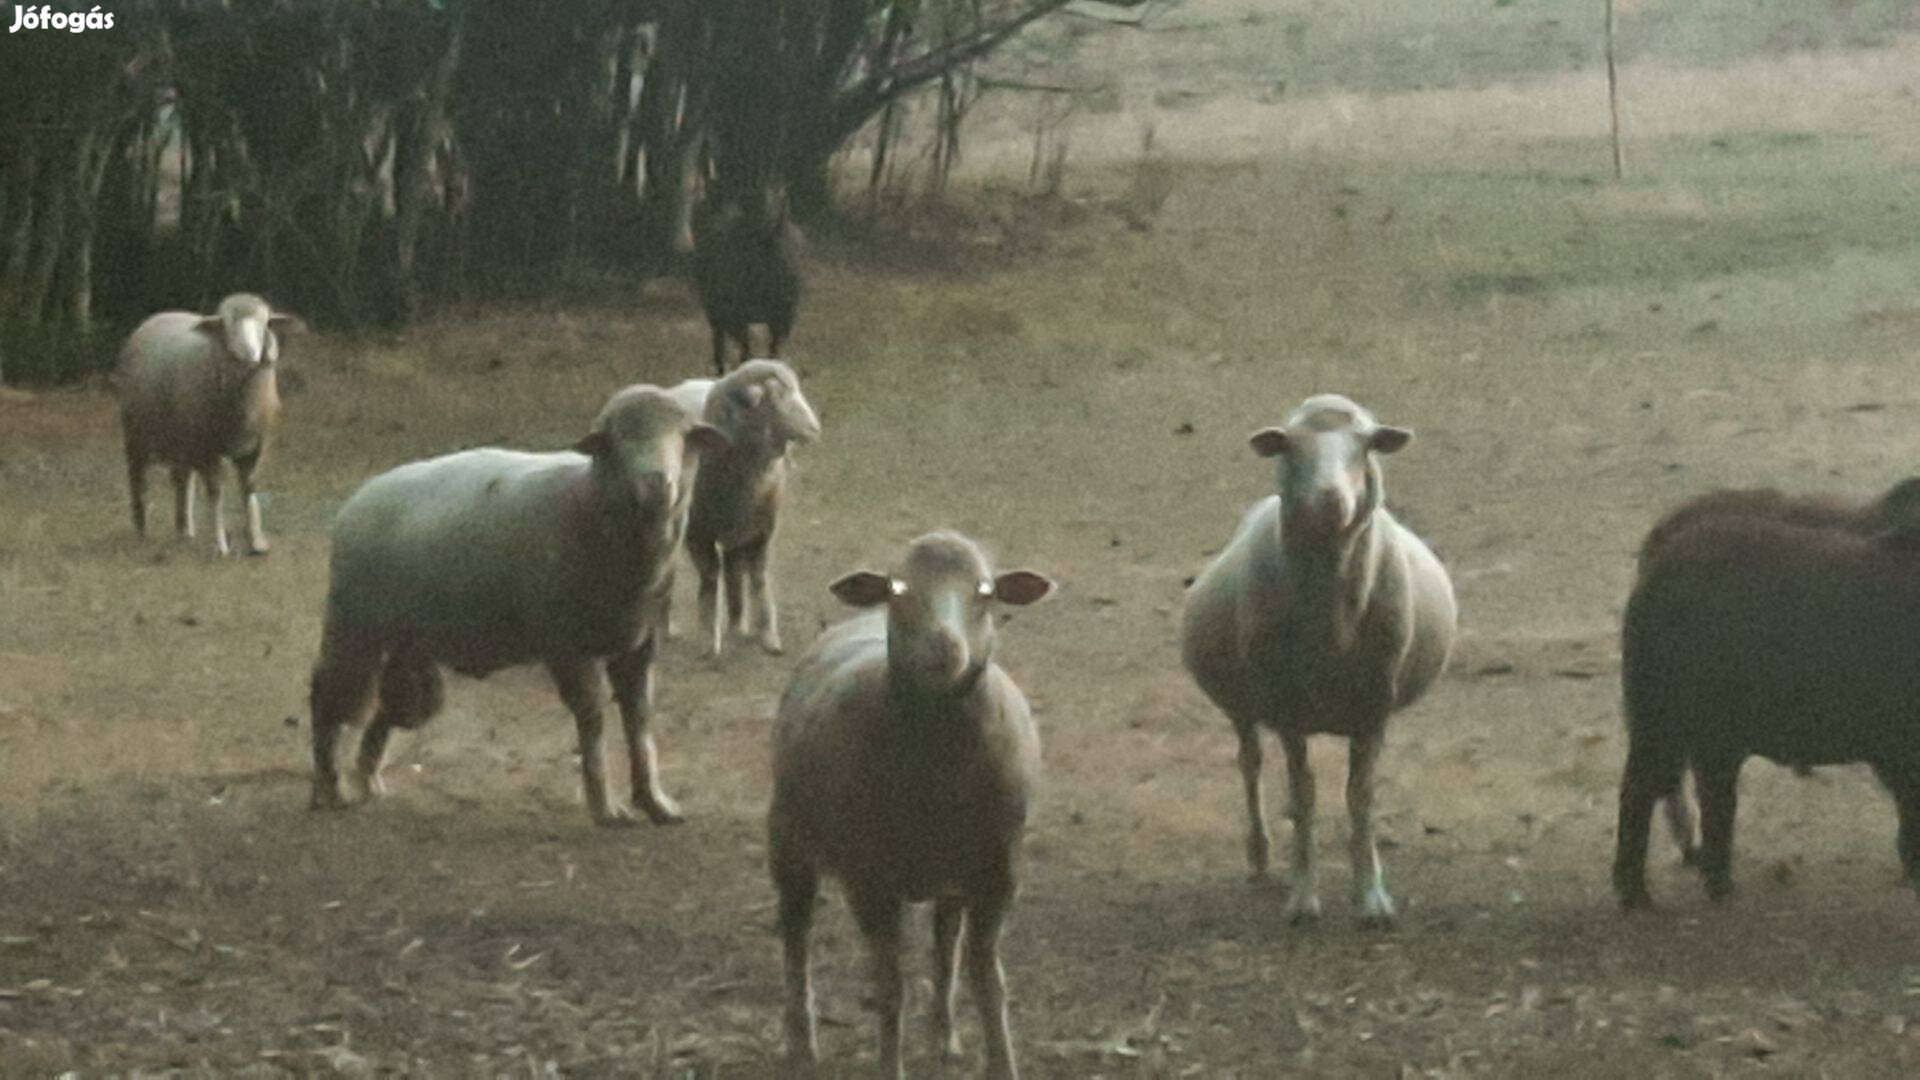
x=1902 y=502
x=746 y=270
x=1749 y=634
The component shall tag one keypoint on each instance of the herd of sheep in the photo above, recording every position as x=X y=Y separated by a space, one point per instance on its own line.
x=905 y=758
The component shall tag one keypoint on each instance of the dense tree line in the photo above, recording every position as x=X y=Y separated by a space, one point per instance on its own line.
x=360 y=160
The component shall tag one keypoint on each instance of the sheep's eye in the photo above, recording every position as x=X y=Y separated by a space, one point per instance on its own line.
x=897 y=587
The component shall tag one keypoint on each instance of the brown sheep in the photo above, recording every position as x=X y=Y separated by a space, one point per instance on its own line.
x=1750 y=634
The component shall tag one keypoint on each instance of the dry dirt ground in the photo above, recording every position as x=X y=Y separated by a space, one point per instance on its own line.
x=1422 y=218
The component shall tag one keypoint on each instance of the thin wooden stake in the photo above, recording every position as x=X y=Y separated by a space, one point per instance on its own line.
x=1613 y=95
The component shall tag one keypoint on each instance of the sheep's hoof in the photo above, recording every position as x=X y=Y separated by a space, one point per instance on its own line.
x=773 y=646
x=1636 y=900
x=947 y=1046
x=1690 y=856
x=327 y=797
x=662 y=811
x=1719 y=891
x=1305 y=912
x=615 y=817
x=259 y=549
x=372 y=786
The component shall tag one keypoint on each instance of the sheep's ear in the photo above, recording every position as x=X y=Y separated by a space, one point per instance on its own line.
x=1021 y=587
x=594 y=444
x=1388 y=440
x=750 y=394
x=213 y=324
x=863 y=588
x=287 y=324
x=1269 y=442
x=707 y=439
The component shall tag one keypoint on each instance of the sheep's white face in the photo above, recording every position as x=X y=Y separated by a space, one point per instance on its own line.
x=940 y=610
x=646 y=436
x=1328 y=481
x=245 y=324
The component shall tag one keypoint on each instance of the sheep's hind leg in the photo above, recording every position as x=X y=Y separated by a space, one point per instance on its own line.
x=798 y=886
x=733 y=563
x=256 y=529
x=1369 y=884
x=1303 y=896
x=632 y=676
x=1717 y=783
x=342 y=689
x=1259 y=845
x=719 y=349
x=582 y=688
x=705 y=556
x=411 y=692
x=1647 y=777
x=1680 y=824
x=984 y=918
x=137 y=486
x=1906 y=803
x=948 y=914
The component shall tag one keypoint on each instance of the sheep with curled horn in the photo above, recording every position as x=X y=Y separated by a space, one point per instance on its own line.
x=196 y=390
x=736 y=503
x=1323 y=616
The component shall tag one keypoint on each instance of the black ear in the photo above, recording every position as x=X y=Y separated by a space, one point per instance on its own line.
x=594 y=444
x=1269 y=442
x=1388 y=440
x=863 y=588
x=1021 y=587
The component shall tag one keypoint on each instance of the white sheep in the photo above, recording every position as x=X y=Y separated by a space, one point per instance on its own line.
x=489 y=558
x=736 y=503
x=195 y=389
x=1322 y=616
x=904 y=764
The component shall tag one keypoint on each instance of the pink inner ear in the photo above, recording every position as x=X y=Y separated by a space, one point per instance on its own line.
x=1021 y=587
x=863 y=588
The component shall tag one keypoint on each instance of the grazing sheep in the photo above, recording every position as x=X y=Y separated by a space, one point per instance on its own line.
x=490 y=558
x=746 y=270
x=1750 y=634
x=1874 y=515
x=736 y=503
x=904 y=763
x=1323 y=615
x=195 y=389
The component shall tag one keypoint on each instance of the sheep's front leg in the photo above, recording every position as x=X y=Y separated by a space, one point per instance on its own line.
x=948 y=913
x=216 y=506
x=767 y=614
x=733 y=560
x=1303 y=896
x=1259 y=846
x=632 y=676
x=582 y=688
x=985 y=917
x=256 y=529
x=1369 y=884
x=879 y=921
x=182 y=500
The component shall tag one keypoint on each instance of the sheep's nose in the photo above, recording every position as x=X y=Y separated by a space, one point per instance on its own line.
x=1324 y=512
x=949 y=655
